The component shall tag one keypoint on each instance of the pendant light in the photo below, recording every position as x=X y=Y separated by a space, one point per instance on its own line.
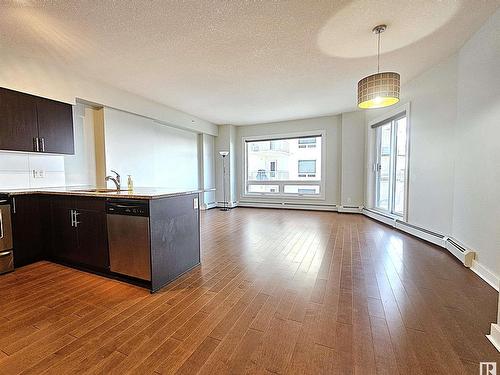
x=380 y=89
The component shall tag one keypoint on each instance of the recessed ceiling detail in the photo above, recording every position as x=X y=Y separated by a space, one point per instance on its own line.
x=344 y=35
x=237 y=62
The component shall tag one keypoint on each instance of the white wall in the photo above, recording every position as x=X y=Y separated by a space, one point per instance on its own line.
x=432 y=98
x=80 y=168
x=44 y=78
x=476 y=208
x=332 y=142
x=353 y=159
x=454 y=149
x=207 y=175
x=154 y=154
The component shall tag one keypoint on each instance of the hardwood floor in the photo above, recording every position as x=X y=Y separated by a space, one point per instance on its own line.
x=286 y=292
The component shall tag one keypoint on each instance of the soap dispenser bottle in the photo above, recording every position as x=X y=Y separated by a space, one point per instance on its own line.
x=130 y=183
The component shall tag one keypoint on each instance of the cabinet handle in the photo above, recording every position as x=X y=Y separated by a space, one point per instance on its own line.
x=36 y=147
x=72 y=217
x=13 y=205
x=76 y=220
x=5 y=253
x=43 y=143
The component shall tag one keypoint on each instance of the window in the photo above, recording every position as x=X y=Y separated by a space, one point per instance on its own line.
x=272 y=169
x=307 y=142
x=281 y=167
x=390 y=167
x=307 y=168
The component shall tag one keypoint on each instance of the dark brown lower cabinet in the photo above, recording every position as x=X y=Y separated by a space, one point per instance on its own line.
x=63 y=239
x=67 y=229
x=26 y=230
x=92 y=238
x=79 y=234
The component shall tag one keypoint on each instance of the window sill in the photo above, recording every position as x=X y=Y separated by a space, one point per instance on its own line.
x=283 y=196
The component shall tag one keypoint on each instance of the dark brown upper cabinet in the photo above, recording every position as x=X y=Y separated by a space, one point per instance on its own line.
x=18 y=122
x=31 y=123
x=55 y=126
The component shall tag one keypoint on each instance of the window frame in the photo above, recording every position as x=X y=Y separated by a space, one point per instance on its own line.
x=395 y=113
x=281 y=195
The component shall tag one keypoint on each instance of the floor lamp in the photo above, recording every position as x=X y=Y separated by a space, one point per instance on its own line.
x=224 y=154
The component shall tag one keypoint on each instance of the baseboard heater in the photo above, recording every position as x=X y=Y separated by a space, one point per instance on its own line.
x=350 y=209
x=461 y=252
x=289 y=205
x=465 y=255
x=425 y=234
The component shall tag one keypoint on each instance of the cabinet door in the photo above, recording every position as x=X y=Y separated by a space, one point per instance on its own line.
x=92 y=238
x=55 y=126
x=64 y=236
x=18 y=121
x=26 y=230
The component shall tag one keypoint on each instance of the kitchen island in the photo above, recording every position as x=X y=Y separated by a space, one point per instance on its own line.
x=147 y=237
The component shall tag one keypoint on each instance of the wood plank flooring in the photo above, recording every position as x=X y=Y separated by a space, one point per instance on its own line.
x=278 y=292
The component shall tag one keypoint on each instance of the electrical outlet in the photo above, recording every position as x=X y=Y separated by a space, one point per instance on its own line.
x=40 y=173
x=349 y=200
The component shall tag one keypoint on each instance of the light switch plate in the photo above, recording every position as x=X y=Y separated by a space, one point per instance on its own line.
x=195 y=203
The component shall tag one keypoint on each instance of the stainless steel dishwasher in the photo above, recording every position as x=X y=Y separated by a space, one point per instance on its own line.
x=128 y=238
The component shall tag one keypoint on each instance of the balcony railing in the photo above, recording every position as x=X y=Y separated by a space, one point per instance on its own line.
x=265 y=175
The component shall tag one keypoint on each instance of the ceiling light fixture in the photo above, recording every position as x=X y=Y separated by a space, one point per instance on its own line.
x=380 y=89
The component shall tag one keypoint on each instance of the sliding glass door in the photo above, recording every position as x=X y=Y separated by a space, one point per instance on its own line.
x=391 y=164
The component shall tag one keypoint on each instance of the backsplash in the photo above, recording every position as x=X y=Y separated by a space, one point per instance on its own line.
x=26 y=170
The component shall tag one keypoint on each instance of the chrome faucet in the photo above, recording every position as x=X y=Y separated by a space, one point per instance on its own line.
x=116 y=180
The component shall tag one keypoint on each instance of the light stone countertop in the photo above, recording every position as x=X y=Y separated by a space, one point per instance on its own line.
x=92 y=191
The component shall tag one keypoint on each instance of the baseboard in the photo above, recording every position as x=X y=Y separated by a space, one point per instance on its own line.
x=424 y=234
x=494 y=336
x=438 y=239
x=228 y=204
x=289 y=205
x=485 y=274
x=350 y=209
x=208 y=206
x=379 y=217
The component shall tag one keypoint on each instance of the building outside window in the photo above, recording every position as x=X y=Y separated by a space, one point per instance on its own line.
x=307 y=168
x=283 y=166
x=307 y=142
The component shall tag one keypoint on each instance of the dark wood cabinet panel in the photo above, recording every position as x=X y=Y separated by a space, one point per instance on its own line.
x=81 y=239
x=18 y=121
x=64 y=240
x=55 y=126
x=92 y=238
x=26 y=230
x=31 y=123
x=175 y=238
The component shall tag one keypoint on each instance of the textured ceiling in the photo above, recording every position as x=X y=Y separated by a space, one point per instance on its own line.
x=240 y=62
